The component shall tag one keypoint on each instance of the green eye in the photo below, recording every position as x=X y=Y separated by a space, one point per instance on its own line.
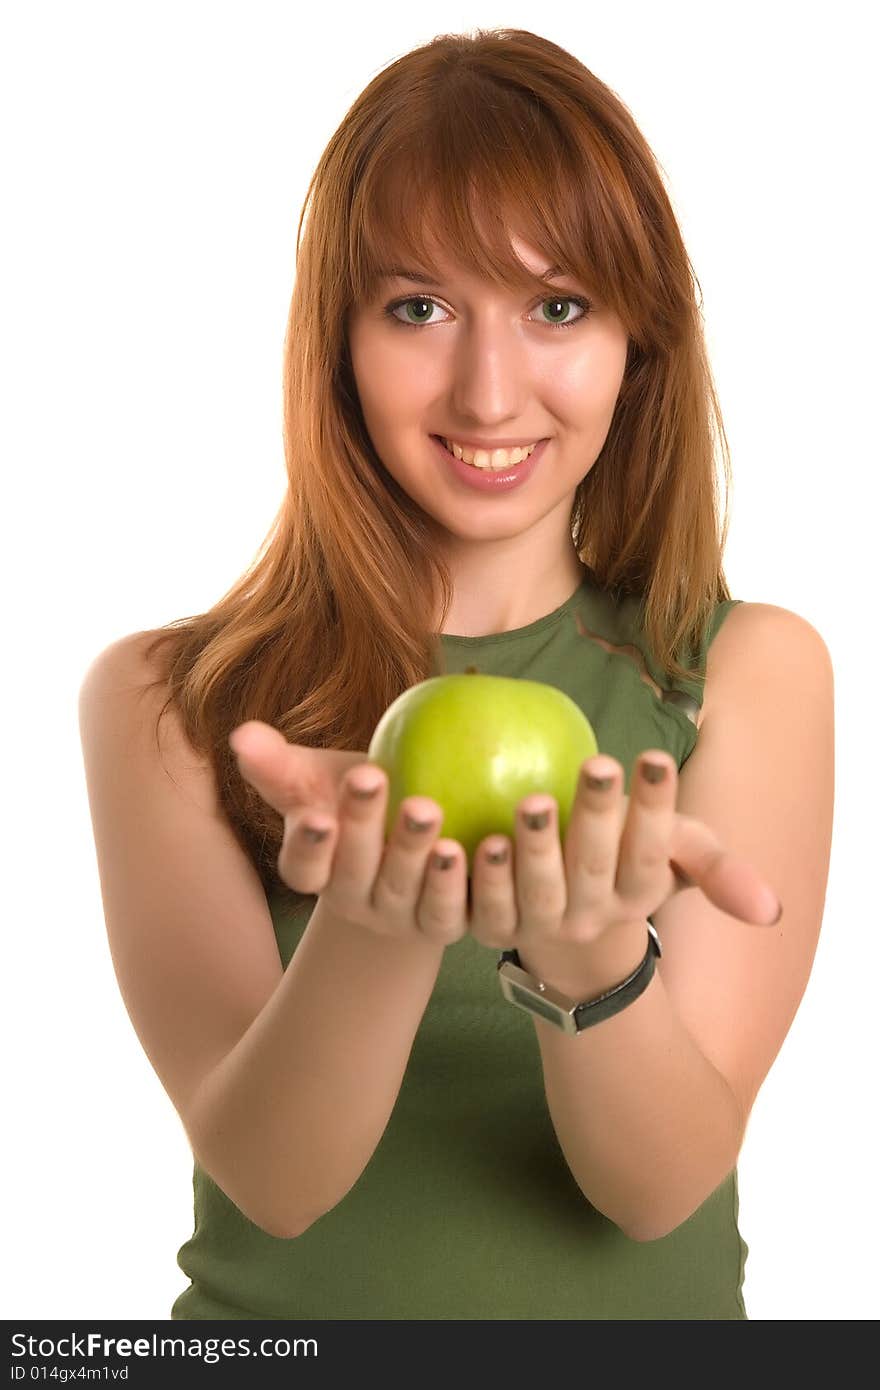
x=565 y=301
x=407 y=303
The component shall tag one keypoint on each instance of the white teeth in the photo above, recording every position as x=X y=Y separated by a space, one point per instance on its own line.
x=494 y=459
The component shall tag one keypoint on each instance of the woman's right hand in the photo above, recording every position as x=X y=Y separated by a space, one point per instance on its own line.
x=393 y=888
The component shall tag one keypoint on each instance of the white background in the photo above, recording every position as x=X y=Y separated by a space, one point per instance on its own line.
x=155 y=158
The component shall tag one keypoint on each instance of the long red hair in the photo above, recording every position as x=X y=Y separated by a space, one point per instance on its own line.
x=455 y=144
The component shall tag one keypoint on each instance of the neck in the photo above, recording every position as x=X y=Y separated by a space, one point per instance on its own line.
x=501 y=596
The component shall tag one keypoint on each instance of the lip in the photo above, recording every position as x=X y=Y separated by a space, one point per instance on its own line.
x=491 y=444
x=485 y=480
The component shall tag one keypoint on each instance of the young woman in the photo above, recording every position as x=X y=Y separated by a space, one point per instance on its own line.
x=500 y=431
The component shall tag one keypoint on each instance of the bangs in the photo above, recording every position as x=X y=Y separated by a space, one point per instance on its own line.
x=460 y=184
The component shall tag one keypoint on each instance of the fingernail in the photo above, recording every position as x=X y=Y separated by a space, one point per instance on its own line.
x=536 y=820
x=311 y=833
x=365 y=792
x=654 y=772
x=497 y=856
x=443 y=861
x=416 y=826
x=597 y=784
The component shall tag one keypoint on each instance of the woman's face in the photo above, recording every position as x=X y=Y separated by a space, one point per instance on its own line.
x=466 y=360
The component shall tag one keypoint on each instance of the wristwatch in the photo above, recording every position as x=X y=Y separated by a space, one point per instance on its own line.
x=523 y=990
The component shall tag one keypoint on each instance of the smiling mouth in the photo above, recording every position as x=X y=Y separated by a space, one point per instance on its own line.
x=489 y=460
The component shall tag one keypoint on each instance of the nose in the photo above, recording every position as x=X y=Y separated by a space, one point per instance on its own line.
x=490 y=373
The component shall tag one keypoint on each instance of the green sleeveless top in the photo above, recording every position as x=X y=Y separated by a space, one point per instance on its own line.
x=467 y=1209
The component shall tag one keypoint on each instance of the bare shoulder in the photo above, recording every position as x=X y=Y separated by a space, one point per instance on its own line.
x=124 y=686
x=757 y=638
x=125 y=674
x=123 y=663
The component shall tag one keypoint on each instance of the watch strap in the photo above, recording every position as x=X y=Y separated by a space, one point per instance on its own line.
x=606 y=1005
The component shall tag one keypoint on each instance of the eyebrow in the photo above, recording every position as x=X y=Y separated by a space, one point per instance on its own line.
x=397 y=272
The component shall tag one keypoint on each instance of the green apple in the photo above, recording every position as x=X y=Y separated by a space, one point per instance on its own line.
x=478 y=744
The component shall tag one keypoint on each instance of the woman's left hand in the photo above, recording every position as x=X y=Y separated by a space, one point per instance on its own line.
x=623 y=857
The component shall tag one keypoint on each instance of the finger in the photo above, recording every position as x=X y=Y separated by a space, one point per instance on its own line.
x=285 y=774
x=404 y=860
x=538 y=868
x=309 y=843
x=592 y=841
x=643 y=860
x=361 y=839
x=493 y=917
x=441 y=912
x=728 y=880
x=291 y=775
x=306 y=856
x=258 y=747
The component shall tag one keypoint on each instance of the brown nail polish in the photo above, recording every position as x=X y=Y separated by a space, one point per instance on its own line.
x=313 y=834
x=654 y=772
x=365 y=793
x=597 y=784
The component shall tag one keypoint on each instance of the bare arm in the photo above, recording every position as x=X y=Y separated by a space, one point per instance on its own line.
x=650 y=1107
x=647 y=1125
x=284 y=1080
x=291 y=1117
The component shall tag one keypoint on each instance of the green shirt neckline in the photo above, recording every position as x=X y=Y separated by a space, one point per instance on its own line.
x=514 y=634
